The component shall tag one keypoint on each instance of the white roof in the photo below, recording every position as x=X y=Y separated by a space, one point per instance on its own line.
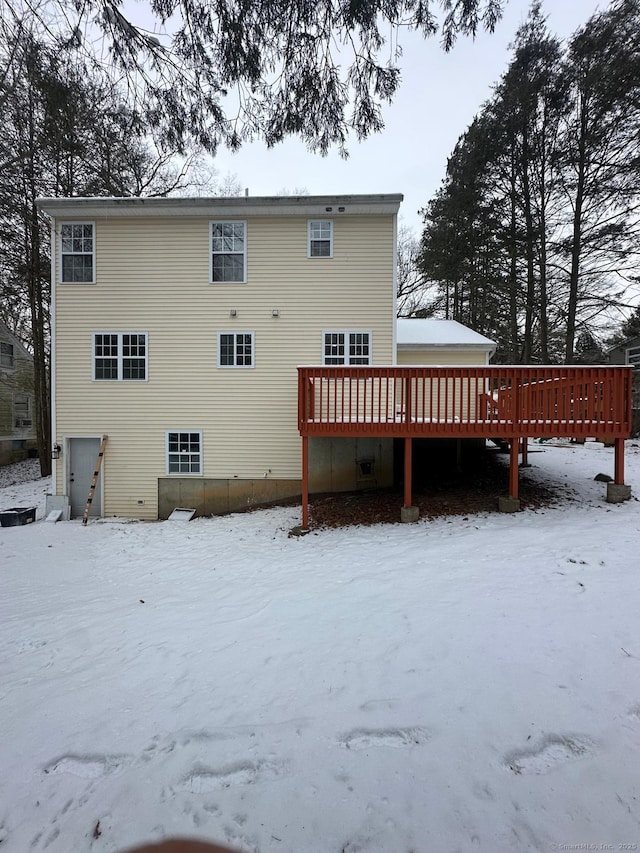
x=439 y=333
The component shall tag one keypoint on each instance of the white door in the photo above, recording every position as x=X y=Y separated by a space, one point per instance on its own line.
x=83 y=456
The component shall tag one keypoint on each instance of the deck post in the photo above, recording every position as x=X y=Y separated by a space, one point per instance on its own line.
x=407 y=471
x=305 y=481
x=617 y=492
x=618 y=477
x=408 y=512
x=511 y=503
x=513 y=469
x=525 y=452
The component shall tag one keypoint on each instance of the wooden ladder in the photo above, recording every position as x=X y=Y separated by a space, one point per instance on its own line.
x=94 y=480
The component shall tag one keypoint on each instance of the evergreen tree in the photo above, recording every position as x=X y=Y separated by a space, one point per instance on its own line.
x=214 y=71
x=601 y=166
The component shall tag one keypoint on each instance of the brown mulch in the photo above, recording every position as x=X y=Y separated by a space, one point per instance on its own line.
x=438 y=491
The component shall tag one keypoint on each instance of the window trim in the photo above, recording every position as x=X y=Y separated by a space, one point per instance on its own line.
x=236 y=366
x=119 y=356
x=18 y=418
x=61 y=253
x=12 y=355
x=169 y=473
x=347 y=357
x=319 y=257
x=633 y=353
x=242 y=222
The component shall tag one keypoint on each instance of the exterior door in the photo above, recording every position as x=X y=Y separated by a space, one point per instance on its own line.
x=83 y=455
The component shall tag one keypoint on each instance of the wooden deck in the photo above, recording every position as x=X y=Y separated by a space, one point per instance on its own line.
x=512 y=403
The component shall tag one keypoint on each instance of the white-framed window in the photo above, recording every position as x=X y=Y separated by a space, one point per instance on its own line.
x=22 y=410
x=320 y=238
x=77 y=252
x=120 y=356
x=346 y=347
x=228 y=252
x=7 y=355
x=235 y=349
x=633 y=356
x=184 y=452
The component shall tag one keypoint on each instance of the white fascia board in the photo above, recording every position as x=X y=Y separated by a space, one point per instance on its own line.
x=335 y=206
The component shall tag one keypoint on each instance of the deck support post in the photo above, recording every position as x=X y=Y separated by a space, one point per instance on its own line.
x=618 y=477
x=513 y=469
x=512 y=502
x=407 y=471
x=525 y=453
x=305 y=481
x=407 y=511
x=617 y=492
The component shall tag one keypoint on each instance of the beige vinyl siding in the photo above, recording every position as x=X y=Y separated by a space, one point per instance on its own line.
x=153 y=275
x=441 y=356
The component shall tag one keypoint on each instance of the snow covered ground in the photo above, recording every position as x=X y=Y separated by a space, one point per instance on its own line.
x=453 y=685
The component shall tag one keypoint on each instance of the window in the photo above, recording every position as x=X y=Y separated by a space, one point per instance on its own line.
x=120 y=355
x=184 y=453
x=228 y=251
x=21 y=406
x=22 y=410
x=347 y=348
x=320 y=238
x=77 y=252
x=7 y=357
x=633 y=356
x=235 y=349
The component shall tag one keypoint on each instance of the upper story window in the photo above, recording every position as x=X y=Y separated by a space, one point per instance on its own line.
x=235 y=349
x=228 y=252
x=349 y=348
x=7 y=355
x=184 y=452
x=633 y=356
x=120 y=355
x=77 y=252
x=320 y=238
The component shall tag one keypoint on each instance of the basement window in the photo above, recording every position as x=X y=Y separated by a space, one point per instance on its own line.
x=184 y=452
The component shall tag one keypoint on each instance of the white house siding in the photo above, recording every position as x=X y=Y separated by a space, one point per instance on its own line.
x=152 y=276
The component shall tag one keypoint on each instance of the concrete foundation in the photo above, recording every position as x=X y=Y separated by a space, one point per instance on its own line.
x=508 y=504
x=617 y=493
x=409 y=514
x=217 y=497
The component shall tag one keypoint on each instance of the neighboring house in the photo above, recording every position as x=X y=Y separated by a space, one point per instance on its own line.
x=17 y=422
x=445 y=342
x=628 y=352
x=178 y=325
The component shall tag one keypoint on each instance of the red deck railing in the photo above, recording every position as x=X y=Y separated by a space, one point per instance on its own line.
x=465 y=402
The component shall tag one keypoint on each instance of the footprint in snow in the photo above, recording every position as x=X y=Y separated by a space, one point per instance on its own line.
x=85 y=766
x=552 y=751
x=395 y=738
x=203 y=780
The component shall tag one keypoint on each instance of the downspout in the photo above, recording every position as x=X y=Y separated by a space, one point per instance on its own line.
x=52 y=363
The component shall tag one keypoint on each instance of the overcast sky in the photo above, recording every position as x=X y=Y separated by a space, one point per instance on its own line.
x=439 y=95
